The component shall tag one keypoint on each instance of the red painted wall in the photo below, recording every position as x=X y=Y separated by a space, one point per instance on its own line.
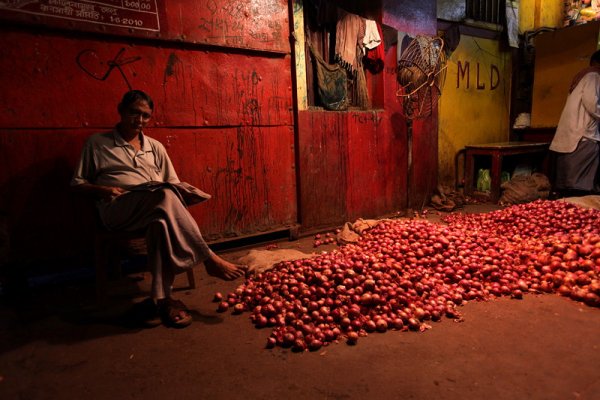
x=244 y=24
x=224 y=110
x=354 y=164
x=224 y=113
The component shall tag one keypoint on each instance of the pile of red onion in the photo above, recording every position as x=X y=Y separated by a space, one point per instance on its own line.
x=407 y=272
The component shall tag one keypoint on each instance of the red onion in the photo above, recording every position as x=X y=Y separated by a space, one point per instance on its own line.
x=352 y=338
x=403 y=272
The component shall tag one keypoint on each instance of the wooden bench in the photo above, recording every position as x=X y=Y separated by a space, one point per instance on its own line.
x=497 y=152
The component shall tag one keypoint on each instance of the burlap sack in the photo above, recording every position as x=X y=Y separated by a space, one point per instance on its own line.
x=351 y=231
x=447 y=199
x=262 y=260
x=592 y=201
x=525 y=188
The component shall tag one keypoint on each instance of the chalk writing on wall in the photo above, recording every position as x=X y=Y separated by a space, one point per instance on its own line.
x=131 y=14
x=239 y=21
x=367 y=118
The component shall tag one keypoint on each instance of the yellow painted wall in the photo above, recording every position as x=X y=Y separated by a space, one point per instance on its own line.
x=534 y=14
x=300 y=55
x=474 y=108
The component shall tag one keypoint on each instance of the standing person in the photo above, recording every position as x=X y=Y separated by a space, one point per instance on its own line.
x=577 y=139
x=136 y=187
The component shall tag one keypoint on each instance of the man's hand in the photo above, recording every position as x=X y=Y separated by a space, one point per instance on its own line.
x=112 y=192
x=100 y=192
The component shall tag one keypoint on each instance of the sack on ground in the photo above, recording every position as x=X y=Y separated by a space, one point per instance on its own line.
x=262 y=260
x=447 y=199
x=523 y=189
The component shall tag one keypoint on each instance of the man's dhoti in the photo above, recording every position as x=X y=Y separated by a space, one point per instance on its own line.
x=173 y=238
x=578 y=170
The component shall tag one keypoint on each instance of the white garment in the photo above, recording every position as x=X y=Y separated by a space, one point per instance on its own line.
x=372 y=38
x=580 y=115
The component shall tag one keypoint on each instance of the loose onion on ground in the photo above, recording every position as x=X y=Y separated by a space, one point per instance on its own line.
x=404 y=272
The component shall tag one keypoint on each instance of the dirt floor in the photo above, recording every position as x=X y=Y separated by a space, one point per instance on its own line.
x=57 y=343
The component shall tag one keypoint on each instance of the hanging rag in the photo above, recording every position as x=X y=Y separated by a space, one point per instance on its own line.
x=372 y=37
x=361 y=99
x=332 y=83
x=375 y=55
x=349 y=33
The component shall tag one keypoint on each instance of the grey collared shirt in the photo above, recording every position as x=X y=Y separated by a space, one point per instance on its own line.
x=108 y=160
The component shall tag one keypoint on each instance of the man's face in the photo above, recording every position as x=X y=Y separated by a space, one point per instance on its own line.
x=135 y=117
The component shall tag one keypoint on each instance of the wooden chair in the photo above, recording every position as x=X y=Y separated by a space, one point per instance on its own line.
x=109 y=248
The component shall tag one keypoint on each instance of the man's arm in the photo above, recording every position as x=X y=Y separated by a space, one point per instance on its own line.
x=98 y=191
x=591 y=94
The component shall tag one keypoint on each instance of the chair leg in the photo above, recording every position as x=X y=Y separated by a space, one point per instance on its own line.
x=191 y=278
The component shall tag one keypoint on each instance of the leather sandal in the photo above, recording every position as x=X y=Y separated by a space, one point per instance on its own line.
x=174 y=313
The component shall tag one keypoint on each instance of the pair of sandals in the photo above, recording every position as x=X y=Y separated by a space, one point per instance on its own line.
x=170 y=312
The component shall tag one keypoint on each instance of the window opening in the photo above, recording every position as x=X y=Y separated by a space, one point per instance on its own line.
x=345 y=57
x=490 y=11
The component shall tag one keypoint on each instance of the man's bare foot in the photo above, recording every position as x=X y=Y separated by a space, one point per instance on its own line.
x=216 y=266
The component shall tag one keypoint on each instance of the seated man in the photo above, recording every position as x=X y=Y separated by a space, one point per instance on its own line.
x=135 y=183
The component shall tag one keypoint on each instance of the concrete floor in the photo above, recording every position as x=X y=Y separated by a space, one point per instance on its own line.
x=58 y=344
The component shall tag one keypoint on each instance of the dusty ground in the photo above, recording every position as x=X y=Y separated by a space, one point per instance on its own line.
x=58 y=344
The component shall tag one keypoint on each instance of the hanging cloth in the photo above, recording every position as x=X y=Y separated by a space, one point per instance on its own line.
x=372 y=37
x=362 y=93
x=332 y=83
x=376 y=54
x=349 y=33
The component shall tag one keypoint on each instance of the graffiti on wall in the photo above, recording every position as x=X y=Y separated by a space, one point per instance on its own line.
x=89 y=63
x=477 y=76
x=227 y=21
x=367 y=118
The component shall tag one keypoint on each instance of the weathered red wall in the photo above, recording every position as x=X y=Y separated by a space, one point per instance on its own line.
x=352 y=164
x=355 y=164
x=224 y=114
x=224 y=109
x=416 y=17
x=244 y=24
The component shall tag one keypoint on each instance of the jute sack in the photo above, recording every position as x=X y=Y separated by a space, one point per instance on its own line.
x=525 y=188
x=351 y=231
x=262 y=260
x=592 y=201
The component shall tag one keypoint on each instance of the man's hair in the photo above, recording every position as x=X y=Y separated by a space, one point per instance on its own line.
x=134 y=95
x=595 y=58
